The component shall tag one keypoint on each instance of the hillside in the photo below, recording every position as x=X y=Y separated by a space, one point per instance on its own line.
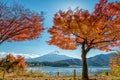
x=98 y=60
x=49 y=58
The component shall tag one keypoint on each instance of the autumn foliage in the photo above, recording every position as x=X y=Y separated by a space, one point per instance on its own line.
x=97 y=30
x=12 y=63
x=19 y=24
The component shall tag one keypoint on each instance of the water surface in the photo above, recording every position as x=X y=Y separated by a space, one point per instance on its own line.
x=68 y=70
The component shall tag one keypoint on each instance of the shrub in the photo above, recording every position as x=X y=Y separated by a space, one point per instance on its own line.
x=35 y=74
x=105 y=73
x=116 y=72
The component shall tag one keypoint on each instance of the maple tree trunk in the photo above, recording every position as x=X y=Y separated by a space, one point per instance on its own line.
x=84 y=66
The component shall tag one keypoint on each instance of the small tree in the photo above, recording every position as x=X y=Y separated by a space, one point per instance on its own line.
x=115 y=64
x=20 y=64
x=11 y=63
x=97 y=30
x=19 y=24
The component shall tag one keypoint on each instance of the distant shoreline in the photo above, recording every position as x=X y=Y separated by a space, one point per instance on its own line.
x=74 y=66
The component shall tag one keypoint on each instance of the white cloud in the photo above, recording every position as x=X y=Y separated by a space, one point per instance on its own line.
x=3 y=54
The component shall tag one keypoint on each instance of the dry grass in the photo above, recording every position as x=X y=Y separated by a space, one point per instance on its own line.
x=64 y=78
x=42 y=76
x=22 y=76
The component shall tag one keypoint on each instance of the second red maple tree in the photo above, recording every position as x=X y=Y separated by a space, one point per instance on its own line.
x=97 y=30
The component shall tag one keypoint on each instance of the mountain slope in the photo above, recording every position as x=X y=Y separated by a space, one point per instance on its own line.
x=49 y=57
x=98 y=60
x=72 y=62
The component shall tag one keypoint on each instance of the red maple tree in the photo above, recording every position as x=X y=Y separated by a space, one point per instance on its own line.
x=12 y=63
x=97 y=30
x=19 y=24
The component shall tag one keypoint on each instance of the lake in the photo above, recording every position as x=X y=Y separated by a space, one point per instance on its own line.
x=68 y=70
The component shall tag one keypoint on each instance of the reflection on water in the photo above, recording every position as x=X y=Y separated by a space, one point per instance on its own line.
x=67 y=70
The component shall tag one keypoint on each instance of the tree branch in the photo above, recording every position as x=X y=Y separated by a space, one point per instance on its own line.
x=114 y=39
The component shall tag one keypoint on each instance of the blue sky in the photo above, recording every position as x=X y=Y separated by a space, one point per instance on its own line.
x=39 y=46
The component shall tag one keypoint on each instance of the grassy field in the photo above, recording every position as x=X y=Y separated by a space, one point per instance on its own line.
x=42 y=76
x=62 y=78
